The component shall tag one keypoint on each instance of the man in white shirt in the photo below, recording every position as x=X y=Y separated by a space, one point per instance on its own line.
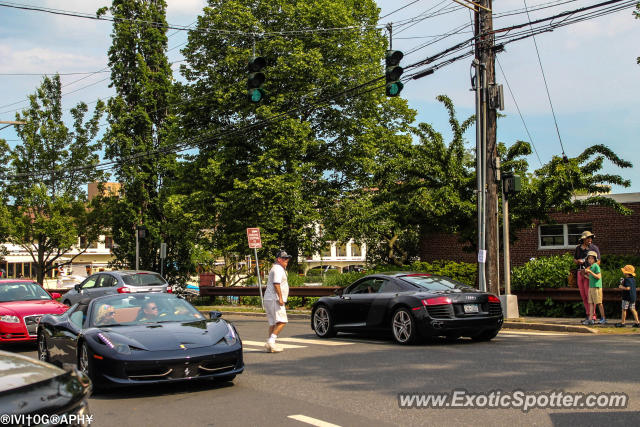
x=275 y=296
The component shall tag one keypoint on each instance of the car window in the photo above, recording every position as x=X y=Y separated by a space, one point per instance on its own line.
x=77 y=314
x=143 y=279
x=106 y=281
x=76 y=318
x=367 y=286
x=392 y=286
x=90 y=282
x=434 y=283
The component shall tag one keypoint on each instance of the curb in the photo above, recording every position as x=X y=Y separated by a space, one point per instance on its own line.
x=549 y=327
x=506 y=325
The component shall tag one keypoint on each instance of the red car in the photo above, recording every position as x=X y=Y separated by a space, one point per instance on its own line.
x=22 y=303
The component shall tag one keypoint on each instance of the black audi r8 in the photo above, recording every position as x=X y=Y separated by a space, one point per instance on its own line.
x=141 y=338
x=411 y=306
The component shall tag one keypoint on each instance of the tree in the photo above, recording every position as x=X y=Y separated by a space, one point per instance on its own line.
x=140 y=139
x=417 y=188
x=429 y=187
x=280 y=164
x=46 y=209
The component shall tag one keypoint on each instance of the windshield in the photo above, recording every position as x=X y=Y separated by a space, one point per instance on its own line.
x=22 y=292
x=142 y=309
x=143 y=279
x=432 y=283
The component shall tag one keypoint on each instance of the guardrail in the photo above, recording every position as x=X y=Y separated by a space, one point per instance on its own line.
x=556 y=294
x=252 y=291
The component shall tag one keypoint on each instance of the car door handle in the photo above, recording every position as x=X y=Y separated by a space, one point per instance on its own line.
x=346 y=297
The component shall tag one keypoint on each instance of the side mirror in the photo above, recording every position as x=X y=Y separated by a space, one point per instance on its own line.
x=338 y=292
x=215 y=315
x=55 y=295
x=76 y=287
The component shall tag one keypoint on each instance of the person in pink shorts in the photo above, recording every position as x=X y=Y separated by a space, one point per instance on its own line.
x=580 y=259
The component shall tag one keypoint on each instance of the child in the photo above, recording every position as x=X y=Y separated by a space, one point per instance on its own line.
x=628 y=287
x=595 y=288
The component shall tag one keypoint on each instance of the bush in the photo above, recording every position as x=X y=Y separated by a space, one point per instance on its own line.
x=551 y=308
x=342 y=280
x=543 y=272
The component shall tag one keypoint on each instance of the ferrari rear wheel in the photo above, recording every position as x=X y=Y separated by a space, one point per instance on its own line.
x=43 y=351
x=403 y=326
x=323 y=323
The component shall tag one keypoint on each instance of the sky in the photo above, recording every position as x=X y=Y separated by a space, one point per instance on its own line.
x=590 y=69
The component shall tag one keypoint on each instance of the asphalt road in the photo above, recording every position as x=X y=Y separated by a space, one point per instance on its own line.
x=355 y=381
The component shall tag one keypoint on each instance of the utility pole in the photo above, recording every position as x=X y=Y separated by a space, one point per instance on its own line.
x=484 y=52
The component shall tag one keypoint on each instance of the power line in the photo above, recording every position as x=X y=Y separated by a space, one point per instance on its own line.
x=399 y=9
x=544 y=77
x=518 y=108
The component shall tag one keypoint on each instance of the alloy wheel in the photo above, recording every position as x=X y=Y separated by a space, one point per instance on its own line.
x=321 y=321
x=402 y=326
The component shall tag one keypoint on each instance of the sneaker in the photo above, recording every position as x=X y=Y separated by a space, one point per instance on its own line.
x=588 y=322
x=603 y=321
x=275 y=348
x=621 y=325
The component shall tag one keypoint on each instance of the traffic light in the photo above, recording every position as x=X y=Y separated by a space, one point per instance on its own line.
x=256 y=78
x=393 y=72
x=511 y=184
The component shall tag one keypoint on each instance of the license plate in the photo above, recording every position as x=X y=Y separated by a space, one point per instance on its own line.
x=471 y=308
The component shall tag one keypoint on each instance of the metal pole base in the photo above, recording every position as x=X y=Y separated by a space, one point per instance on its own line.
x=509 y=306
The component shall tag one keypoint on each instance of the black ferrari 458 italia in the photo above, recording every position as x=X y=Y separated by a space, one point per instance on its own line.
x=410 y=306
x=139 y=339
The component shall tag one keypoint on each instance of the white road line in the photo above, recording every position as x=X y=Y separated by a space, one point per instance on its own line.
x=312 y=341
x=261 y=344
x=312 y=421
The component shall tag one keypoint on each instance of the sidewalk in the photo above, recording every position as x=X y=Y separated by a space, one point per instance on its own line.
x=547 y=324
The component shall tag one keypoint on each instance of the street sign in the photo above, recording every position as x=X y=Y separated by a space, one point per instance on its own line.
x=163 y=250
x=253 y=235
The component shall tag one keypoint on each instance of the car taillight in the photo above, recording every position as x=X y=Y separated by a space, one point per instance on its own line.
x=493 y=298
x=169 y=290
x=436 y=301
x=124 y=290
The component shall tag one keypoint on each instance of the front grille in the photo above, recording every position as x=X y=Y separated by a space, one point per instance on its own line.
x=14 y=336
x=444 y=311
x=31 y=322
x=215 y=367
x=148 y=373
x=495 y=309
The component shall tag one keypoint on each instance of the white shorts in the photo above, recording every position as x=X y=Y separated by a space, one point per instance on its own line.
x=276 y=313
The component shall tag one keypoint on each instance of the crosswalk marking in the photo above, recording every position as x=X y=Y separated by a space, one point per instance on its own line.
x=261 y=344
x=312 y=341
x=312 y=421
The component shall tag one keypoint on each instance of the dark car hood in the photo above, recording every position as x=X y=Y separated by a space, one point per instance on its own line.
x=168 y=336
x=17 y=371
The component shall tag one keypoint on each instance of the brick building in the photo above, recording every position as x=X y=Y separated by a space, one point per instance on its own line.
x=615 y=234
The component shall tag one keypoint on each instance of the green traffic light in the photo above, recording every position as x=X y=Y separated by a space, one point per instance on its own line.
x=394 y=88
x=255 y=95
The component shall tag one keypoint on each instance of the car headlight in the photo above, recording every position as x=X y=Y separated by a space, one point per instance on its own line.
x=231 y=337
x=119 y=347
x=10 y=319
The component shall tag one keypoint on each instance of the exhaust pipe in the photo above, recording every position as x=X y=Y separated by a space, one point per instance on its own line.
x=436 y=324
